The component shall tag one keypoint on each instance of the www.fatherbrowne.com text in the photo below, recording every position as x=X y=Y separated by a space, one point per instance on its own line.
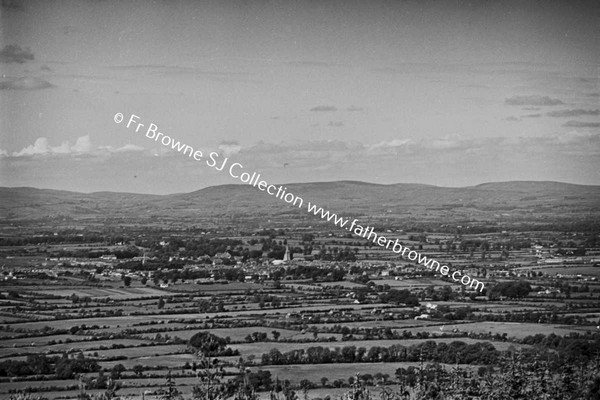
x=237 y=171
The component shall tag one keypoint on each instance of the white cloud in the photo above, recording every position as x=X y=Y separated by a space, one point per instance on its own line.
x=83 y=145
x=570 y=155
x=386 y=146
x=229 y=147
x=40 y=146
x=129 y=147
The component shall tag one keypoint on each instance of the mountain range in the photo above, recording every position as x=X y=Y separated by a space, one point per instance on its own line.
x=488 y=201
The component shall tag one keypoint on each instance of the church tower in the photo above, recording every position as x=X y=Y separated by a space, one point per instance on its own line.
x=286 y=256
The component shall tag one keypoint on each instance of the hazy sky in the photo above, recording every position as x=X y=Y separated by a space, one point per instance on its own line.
x=451 y=93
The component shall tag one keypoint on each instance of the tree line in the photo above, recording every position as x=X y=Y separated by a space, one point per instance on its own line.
x=476 y=353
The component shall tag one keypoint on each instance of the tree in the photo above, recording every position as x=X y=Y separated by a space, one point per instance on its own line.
x=512 y=290
x=39 y=364
x=324 y=381
x=161 y=303
x=367 y=379
x=400 y=297
x=208 y=344
x=66 y=367
x=127 y=281
x=210 y=375
x=117 y=371
x=138 y=369
x=276 y=335
x=170 y=392
x=260 y=379
x=306 y=384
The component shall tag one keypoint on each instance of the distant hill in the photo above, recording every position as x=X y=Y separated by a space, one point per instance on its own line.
x=347 y=198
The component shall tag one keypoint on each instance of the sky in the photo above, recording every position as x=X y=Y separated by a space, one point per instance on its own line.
x=447 y=93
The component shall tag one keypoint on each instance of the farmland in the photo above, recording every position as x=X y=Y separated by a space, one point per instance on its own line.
x=87 y=311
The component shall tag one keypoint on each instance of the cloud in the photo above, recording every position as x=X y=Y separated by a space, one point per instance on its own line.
x=300 y=153
x=107 y=150
x=574 y=137
x=15 y=54
x=388 y=146
x=12 y=4
x=83 y=145
x=512 y=118
x=533 y=100
x=28 y=83
x=354 y=109
x=324 y=109
x=316 y=146
x=569 y=155
x=229 y=147
x=572 y=113
x=129 y=147
x=312 y=156
x=583 y=142
x=444 y=143
x=582 y=124
x=335 y=124
x=39 y=147
x=532 y=116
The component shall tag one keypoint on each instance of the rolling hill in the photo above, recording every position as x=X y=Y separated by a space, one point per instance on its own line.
x=488 y=201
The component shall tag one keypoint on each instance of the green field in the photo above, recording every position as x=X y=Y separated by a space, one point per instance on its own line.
x=237 y=334
x=257 y=349
x=112 y=293
x=516 y=330
x=296 y=373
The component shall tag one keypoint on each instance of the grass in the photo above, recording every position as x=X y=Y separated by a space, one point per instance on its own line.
x=235 y=334
x=39 y=340
x=407 y=283
x=519 y=330
x=343 y=284
x=217 y=287
x=314 y=373
x=583 y=270
x=148 y=360
x=145 y=352
x=258 y=349
x=84 y=346
x=113 y=293
x=394 y=324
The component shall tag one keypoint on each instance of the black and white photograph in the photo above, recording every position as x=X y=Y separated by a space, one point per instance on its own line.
x=299 y=199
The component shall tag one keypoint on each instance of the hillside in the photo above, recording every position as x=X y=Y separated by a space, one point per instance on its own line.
x=489 y=201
